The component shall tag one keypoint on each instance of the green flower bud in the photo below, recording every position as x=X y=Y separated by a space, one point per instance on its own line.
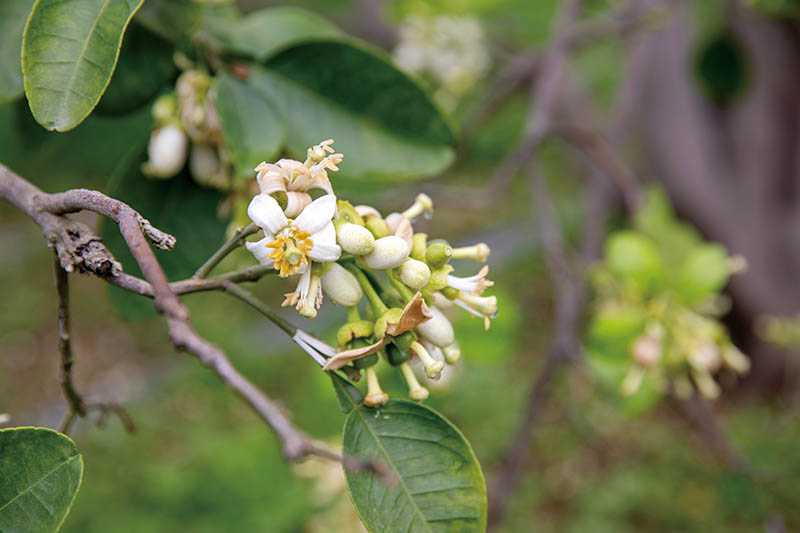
x=438 y=253
x=419 y=244
x=415 y=274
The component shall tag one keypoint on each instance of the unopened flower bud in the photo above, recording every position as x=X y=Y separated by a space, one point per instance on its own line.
x=437 y=329
x=165 y=109
x=735 y=359
x=646 y=350
x=479 y=252
x=205 y=166
x=355 y=239
x=706 y=358
x=377 y=226
x=415 y=274
x=422 y=204
x=166 y=152
x=419 y=244
x=433 y=368
x=389 y=252
x=438 y=253
x=341 y=286
x=706 y=384
x=375 y=396
x=415 y=391
x=452 y=353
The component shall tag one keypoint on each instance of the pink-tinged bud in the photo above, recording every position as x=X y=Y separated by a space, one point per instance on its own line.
x=647 y=351
x=415 y=274
x=389 y=252
x=166 y=152
x=437 y=329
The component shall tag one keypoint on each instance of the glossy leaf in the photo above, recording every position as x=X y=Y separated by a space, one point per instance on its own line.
x=69 y=51
x=253 y=131
x=181 y=21
x=13 y=14
x=383 y=122
x=439 y=484
x=347 y=393
x=145 y=67
x=40 y=473
x=263 y=33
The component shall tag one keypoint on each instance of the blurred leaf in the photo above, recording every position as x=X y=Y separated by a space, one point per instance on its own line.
x=440 y=486
x=346 y=393
x=180 y=21
x=634 y=258
x=613 y=329
x=13 y=14
x=69 y=51
x=178 y=206
x=704 y=274
x=252 y=129
x=383 y=122
x=263 y=33
x=145 y=66
x=41 y=472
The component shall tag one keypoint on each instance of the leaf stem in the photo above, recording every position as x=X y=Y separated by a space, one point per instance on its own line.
x=253 y=301
x=225 y=249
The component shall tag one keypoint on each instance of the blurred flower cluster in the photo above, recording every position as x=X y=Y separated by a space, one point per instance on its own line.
x=655 y=327
x=187 y=126
x=394 y=282
x=451 y=53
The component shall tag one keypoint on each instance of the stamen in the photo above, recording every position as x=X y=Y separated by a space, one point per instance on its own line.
x=375 y=396
x=415 y=391
x=433 y=368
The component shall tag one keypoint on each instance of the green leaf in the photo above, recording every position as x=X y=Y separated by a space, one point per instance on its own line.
x=181 y=21
x=705 y=272
x=69 y=51
x=439 y=486
x=347 y=393
x=40 y=473
x=252 y=129
x=383 y=122
x=263 y=33
x=634 y=258
x=178 y=206
x=13 y=14
x=145 y=66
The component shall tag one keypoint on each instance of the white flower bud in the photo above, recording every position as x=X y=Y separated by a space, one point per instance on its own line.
x=478 y=252
x=355 y=239
x=415 y=274
x=341 y=286
x=647 y=350
x=389 y=252
x=437 y=329
x=166 y=152
x=205 y=165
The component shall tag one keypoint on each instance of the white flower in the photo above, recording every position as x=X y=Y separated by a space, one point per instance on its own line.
x=295 y=179
x=166 y=152
x=475 y=284
x=291 y=245
x=480 y=306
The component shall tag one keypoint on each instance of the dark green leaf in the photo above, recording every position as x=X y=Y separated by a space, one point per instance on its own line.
x=178 y=206
x=439 y=486
x=40 y=473
x=180 y=21
x=383 y=122
x=253 y=131
x=13 y=14
x=69 y=51
x=348 y=395
x=145 y=66
x=265 y=32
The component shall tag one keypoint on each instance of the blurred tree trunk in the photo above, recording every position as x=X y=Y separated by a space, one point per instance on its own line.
x=733 y=169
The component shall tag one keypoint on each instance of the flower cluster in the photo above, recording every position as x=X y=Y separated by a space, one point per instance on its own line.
x=188 y=115
x=449 y=52
x=658 y=303
x=396 y=283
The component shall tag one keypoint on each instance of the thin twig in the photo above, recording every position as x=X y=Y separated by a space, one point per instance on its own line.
x=231 y=244
x=76 y=404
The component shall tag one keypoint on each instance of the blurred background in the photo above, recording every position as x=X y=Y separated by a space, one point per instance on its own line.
x=702 y=97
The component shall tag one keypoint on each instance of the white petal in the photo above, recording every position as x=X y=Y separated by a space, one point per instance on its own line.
x=266 y=213
x=260 y=251
x=325 y=247
x=317 y=214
